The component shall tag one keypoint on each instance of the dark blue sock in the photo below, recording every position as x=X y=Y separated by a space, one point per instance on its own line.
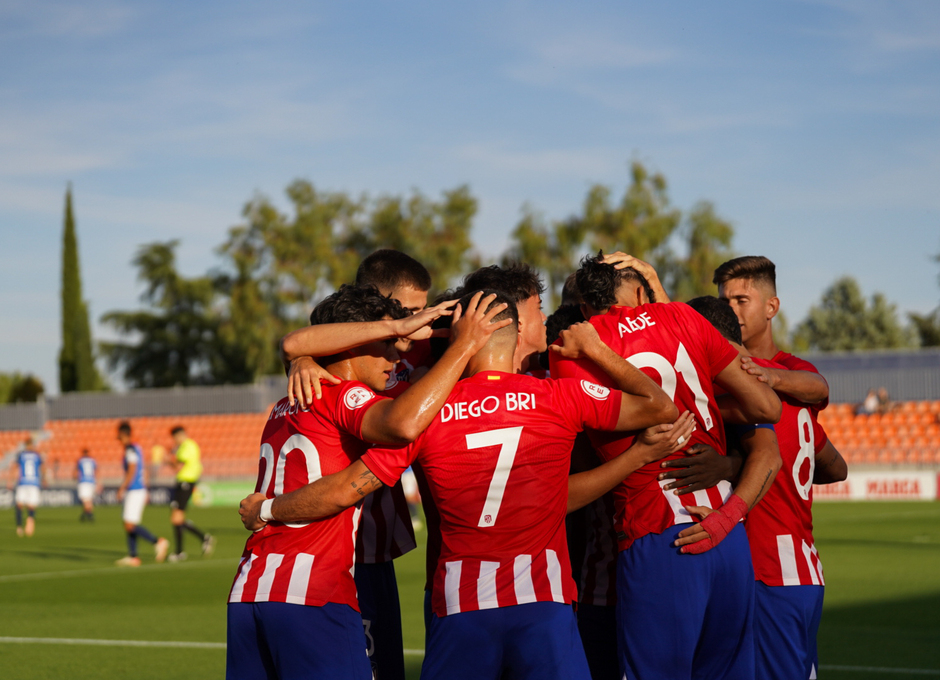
x=132 y=544
x=144 y=534
x=19 y=516
x=31 y=512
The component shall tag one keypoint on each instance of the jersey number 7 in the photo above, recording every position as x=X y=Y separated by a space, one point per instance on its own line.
x=507 y=439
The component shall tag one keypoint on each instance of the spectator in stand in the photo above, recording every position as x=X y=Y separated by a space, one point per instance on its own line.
x=884 y=401
x=869 y=405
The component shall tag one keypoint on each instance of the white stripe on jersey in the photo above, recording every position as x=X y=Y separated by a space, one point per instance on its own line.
x=554 y=576
x=787 y=554
x=452 y=587
x=486 y=586
x=522 y=579
x=299 y=579
x=357 y=514
x=808 y=555
x=822 y=580
x=239 y=588
x=271 y=563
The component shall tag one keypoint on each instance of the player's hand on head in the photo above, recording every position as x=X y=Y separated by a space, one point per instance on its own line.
x=667 y=438
x=250 y=511
x=303 y=381
x=577 y=340
x=474 y=325
x=621 y=260
x=702 y=468
x=418 y=326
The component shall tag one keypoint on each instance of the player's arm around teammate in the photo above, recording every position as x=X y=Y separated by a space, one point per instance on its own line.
x=806 y=386
x=390 y=421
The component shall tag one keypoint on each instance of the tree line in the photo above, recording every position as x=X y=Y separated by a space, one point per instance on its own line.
x=223 y=326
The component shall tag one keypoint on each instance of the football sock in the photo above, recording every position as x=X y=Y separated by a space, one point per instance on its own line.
x=144 y=534
x=30 y=512
x=189 y=526
x=178 y=533
x=19 y=517
x=132 y=544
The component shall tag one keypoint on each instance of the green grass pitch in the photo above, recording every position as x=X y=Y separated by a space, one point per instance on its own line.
x=882 y=565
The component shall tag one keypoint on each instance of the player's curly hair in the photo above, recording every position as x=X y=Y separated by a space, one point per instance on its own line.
x=517 y=281
x=720 y=315
x=353 y=302
x=598 y=282
x=756 y=268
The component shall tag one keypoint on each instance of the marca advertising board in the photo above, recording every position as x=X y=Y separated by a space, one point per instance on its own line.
x=888 y=485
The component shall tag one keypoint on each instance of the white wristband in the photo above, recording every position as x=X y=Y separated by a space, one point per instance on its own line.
x=265 y=513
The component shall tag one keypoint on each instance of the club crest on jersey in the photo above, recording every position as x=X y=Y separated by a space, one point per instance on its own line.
x=357 y=397
x=595 y=391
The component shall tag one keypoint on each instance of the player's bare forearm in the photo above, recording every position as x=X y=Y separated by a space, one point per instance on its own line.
x=326 y=496
x=586 y=487
x=808 y=387
x=756 y=401
x=830 y=466
x=332 y=338
x=762 y=462
x=644 y=402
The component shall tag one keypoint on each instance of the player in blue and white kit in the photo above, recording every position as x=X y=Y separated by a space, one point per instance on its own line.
x=28 y=472
x=134 y=494
x=86 y=470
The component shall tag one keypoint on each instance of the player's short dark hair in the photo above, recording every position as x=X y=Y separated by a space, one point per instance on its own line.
x=561 y=319
x=124 y=427
x=353 y=302
x=756 y=268
x=388 y=269
x=720 y=315
x=511 y=311
x=570 y=295
x=86 y=452
x=516 y=281
x=176 y=430
x=598 y=282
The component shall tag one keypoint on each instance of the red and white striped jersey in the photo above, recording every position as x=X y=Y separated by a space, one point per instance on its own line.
x=599 y=567
x=681 y=352
x=308 y=563
x=780 y=527
x=385 y=529
x=496 y=461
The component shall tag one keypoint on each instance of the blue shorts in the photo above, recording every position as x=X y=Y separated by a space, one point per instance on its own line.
x=279 y=641
x=786 y=620
x=598 y=627
x=686 y=616
x=381 y=618
x=538 y=640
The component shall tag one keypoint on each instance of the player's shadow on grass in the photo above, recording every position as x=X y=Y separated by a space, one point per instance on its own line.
x=868 y=544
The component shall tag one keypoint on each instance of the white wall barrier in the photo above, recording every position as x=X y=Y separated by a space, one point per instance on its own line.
x=889 y=485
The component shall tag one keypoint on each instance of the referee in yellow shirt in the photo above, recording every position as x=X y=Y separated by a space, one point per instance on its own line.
x=187 y=464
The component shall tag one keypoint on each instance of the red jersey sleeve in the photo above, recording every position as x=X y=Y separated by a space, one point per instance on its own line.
x=586 y=404
x=351 y=405
x=388 y=463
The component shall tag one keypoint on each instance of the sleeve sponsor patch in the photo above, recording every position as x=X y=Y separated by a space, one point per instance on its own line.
x=357 y=397
x=595 y=391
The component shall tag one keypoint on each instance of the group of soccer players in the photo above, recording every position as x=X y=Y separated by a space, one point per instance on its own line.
x=678 y=441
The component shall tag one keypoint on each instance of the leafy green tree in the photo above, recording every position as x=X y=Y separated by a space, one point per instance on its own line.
x=640 y=224
x=707 y=239
x=844 y=320
x=77 y=372
x=15 y=388
x=177 y=334
x=927 y=326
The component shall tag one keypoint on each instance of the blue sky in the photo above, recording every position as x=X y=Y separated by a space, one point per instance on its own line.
x=812 y=126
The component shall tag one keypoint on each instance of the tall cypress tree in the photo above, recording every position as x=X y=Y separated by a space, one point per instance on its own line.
x=77 y=372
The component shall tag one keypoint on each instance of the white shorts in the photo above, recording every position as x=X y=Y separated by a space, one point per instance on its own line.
x=134 y=502
x=86 y=491
x=28 y=495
